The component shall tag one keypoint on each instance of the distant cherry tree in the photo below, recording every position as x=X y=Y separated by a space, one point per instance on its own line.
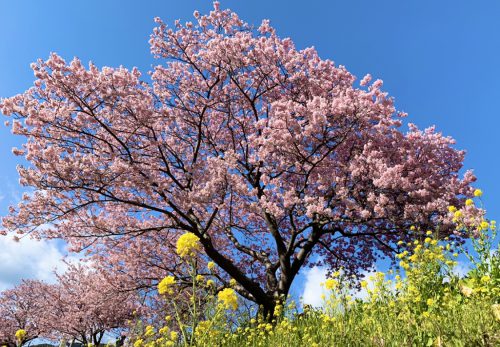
x=22 y=310
x=85 y=304
x=275 y=158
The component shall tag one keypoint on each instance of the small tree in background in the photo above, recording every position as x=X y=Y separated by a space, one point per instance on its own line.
x=22 y=310
x=85 y=305
x=270 y=155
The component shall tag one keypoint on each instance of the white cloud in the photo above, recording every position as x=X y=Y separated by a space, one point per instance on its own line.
x=312 y=288
x=363 y=292
x=29 y=259
x=461 y=269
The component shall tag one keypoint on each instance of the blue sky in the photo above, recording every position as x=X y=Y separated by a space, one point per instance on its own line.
x=439 y=59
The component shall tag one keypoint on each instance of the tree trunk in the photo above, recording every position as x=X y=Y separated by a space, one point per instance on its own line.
x=267 y=309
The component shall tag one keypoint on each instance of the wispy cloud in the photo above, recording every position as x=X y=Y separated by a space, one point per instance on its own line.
x=29 y=258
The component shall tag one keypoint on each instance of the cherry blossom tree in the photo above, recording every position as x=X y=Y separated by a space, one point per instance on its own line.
x=85 y=304
x=275 y=158
x=22 y=309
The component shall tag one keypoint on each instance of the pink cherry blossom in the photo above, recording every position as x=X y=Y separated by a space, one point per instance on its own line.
x=274 y=157
x=86 y=303
x=23 y=307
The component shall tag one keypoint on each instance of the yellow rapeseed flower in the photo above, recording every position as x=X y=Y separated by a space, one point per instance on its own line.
x=452 y=209
x=165 y=285
x=211 y=265
x=150 y=331
x=20 y=335
x=485 y=279
x=478 y=193
x=188 y=244
x=469 y=202
x=228 y=298
x=330 y=283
